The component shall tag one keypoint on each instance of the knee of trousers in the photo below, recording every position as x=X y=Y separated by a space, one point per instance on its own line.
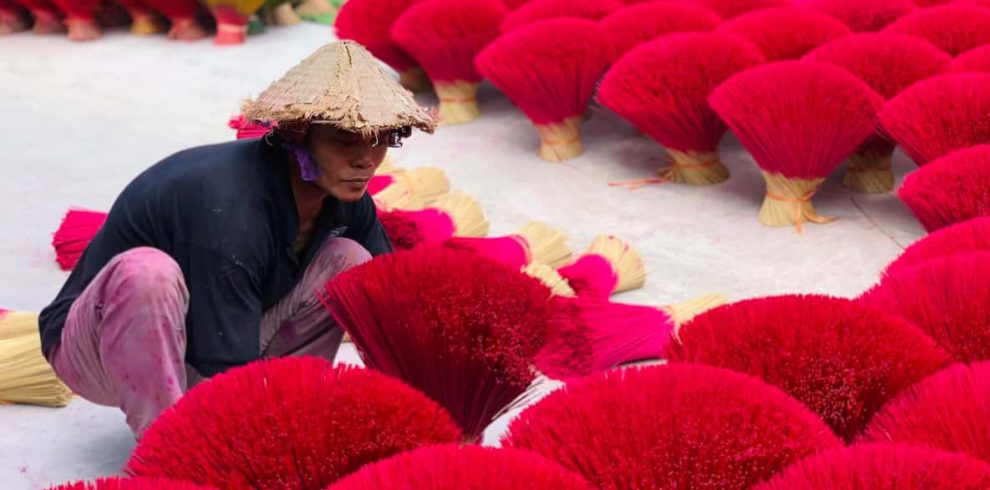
x=148 y=273
x=345 y=252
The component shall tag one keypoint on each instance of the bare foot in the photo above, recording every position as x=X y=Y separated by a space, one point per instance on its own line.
x=186 y=30
x=83 y=30
x=47 y=23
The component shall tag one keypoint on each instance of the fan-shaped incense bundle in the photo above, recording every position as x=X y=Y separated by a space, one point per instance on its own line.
x=608 y=266
x=799 y=120
x=369 y=22
x=937 y=116
x=976 y=59
x=535 y=242
x=786 y=33
x=631 y=26
x=662 y=87
x=862 y=16
x=842 y=359
x=296 y=422
x=535 y=11
x=948 y=411
x=728 y=9
x=888 y=63
x=946 y=297
x=461 y=328
x=444 y=36
x=455 y=467
x=883 y=467
x=954 y=28
x=25 y=375
x=456 y=214
x=950 y=189
x=675 y=426
x=968 y=236
x=549 y=70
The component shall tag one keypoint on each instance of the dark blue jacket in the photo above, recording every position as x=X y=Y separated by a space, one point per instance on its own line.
x=227 y=215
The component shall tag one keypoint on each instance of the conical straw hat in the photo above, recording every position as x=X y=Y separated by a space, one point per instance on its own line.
x=344 y=85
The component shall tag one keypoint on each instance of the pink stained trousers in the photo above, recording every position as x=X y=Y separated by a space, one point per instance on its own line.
x=124 y=339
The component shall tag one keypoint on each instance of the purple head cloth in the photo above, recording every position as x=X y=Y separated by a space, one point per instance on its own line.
x=306 y=164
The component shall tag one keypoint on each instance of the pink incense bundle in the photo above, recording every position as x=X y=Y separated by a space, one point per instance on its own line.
x=609 y=266
x=456 y=467
x=786 y=33
x=295 y=422
x=947 y=298
x=248 y=129
x=883 y=467
x=456 y=214
x=674 y=426
x=540 y=10
x=888 y=63
x=461 y=328
x=662 y=88
x=535 y=242
x=73 y=235
x=950 y=411
x=799 y=120
x=369 y=23
x=940 y=115
x=728 y=9
x=968 y=236
x=953 y=28
x=950 y=189
x=842 y=359
x=861 y=16
x=592 y=335
x=80 y=17
x=130 y=484
x=631 y=26
x=444 y=36
x=977 y=59
x=550 y=71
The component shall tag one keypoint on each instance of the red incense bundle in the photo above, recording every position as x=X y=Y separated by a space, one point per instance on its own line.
x=591 y=335
x=535 y=242
x=799 y=120
x=862 y=16
x=13 y=18
x=455 y=467
x=80 y=17
x=883 y=467
x=130 y=484
x=728 y=9
x=631 y=26
x=675 y=426
x=540 y=10
x=248 y=129
x=456 y=214
x=786 y=33
x=294 y=423
x=977 y=59
x=369 y=22
x=444 y=36
x=947 y=298
x=888 y=63
x=459 y=327
x=550 y=71
x=950 y=411
x=949 y=190
x=953 y=28
x=609 y=266
x=47 y=18
x=937 y=116
x=73 y=235
x=968 y=236
x=662 y=88
x=842 y=359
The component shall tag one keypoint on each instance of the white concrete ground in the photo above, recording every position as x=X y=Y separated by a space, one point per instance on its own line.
x=77 y=122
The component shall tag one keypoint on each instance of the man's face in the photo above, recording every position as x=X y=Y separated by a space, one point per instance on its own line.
x=346 y=160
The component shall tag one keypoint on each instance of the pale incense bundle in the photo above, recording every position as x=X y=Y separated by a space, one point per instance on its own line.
x=25 y=375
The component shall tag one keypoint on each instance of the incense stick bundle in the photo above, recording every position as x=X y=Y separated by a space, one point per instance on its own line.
x=456 y=214
x=535 y=242
x=954 y=28
x=25 y=375
x=786 y=33
x=609 y=266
